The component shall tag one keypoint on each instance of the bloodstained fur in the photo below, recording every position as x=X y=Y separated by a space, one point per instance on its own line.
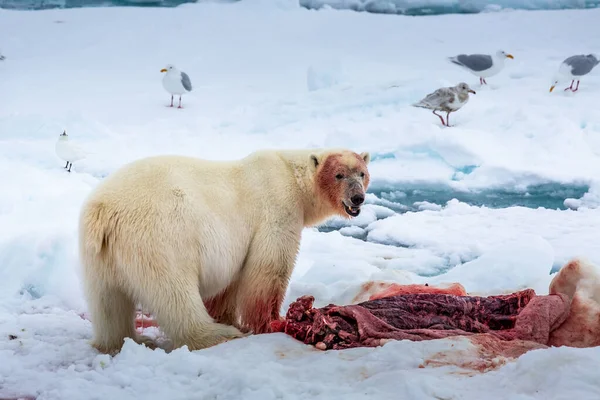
x=258 y=313
x=330 y=187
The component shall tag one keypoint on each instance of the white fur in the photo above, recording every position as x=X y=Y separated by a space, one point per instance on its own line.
x=172 y=232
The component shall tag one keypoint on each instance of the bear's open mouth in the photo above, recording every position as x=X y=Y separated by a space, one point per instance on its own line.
x=351 y=210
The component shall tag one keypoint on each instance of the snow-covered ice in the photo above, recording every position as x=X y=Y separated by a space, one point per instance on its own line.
x=325 y=74
x=427 y=7
x=96 y=74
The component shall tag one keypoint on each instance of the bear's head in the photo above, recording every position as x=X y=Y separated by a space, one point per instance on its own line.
x=341 y=178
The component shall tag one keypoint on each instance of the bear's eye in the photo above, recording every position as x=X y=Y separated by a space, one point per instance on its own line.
x=362 y=174
x=339 y=176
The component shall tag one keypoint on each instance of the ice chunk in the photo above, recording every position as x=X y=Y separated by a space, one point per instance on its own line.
x=591 y=199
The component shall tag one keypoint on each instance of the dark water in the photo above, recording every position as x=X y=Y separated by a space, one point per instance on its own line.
x=403 y=7
x=407 y=198
x=551 y=196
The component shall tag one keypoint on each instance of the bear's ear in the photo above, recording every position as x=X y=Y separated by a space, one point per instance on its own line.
x=366 y=156
x=314 y=161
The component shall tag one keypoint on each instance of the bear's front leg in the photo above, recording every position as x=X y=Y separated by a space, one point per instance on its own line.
x=264 y=280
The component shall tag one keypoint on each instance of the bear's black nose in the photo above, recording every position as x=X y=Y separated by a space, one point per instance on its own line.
x=357 y=199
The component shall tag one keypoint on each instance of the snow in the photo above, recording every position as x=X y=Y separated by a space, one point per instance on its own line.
x=326 y=74
x=249 y=64
x=461 y=232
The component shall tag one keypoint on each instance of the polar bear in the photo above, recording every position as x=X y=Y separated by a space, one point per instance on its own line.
x=208 y=247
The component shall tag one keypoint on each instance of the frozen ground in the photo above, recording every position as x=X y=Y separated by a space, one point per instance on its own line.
x=515 y=147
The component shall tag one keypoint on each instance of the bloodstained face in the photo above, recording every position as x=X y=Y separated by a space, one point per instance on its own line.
x=342 y=178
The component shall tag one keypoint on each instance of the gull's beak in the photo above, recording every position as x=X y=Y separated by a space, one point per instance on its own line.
x=163 y=70
x=472 y=91
x=510 y=56
x=552 y=88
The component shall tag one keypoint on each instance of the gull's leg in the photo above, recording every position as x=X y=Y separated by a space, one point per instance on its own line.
x=440 y=117
x=570 y=87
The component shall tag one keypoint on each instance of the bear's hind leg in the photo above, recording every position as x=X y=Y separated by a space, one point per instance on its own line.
x=182 y=315
x=112 y=313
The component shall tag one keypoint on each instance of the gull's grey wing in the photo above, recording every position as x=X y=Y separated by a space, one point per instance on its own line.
x=580 y=64
x=437 y=99
x=186 y=82
x=475 y=62
x=2 y=57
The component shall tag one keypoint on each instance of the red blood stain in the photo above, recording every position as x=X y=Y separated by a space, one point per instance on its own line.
x=395 y=289
x=487 y=353
x=376 y=290
x=332 y=188
x=218 y=305
x=258 y=314
x=141 y=321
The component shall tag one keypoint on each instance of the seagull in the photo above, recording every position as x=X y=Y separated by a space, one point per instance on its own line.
x=575 y=67
x=446 y=99
x=482 y=65
x=68 y=151
x=2 y=57
x=176 y=82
